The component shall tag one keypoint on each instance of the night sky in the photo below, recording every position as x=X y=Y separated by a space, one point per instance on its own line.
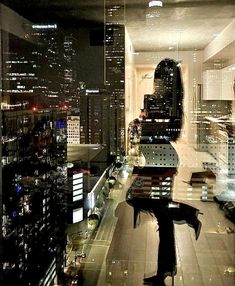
x=68 y=14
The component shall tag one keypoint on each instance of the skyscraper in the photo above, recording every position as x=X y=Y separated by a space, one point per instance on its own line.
x=20 y=73
x=70 y=75
x=33 y=168
x=49 y=52
x=115 y=73
x=94 y=115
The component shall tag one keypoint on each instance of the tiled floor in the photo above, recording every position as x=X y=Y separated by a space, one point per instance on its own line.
x=131 y=254
x=203 y=262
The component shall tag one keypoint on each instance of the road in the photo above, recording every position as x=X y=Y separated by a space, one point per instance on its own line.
x=94 y=266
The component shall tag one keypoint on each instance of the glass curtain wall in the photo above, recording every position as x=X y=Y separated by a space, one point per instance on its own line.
x=117 y=114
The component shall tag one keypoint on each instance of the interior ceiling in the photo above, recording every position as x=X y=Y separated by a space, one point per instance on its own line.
x=178 y=25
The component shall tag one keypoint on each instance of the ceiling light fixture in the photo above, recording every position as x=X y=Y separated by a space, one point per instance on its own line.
x=155 y=4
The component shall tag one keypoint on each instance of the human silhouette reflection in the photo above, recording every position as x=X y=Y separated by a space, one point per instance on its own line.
x=151 y=190
x=165 y=210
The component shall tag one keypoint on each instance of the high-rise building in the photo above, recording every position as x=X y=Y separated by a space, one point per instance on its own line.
x=49 y=52
x=73 y=129
x=33 y=153
x=94 y=116
x=115 y=73
x=70 y=74
x=20 y=73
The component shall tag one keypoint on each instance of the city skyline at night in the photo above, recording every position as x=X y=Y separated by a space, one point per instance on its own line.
x=117 y=134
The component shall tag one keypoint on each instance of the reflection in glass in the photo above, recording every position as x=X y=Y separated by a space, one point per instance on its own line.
x=151 y=190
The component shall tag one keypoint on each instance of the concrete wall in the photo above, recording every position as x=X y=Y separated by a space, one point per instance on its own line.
x=13 y=23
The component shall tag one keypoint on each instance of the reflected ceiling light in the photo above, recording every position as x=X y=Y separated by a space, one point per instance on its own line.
x=155 y=4
x=153 y=9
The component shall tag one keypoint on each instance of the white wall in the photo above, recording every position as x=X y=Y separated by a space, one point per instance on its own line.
x=144 y=83
x=222 y=49
x=130 y=93
x=225 y=39
x=193 y=63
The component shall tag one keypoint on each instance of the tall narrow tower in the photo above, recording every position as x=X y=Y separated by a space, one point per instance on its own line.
x=115 y=72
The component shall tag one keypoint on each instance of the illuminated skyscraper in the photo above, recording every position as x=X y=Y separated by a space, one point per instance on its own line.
x=33 y=209
x=70 y=75
x=73 y=129
x=50 y=62
x=94 y=107
x=115 y=73
x=20 y=72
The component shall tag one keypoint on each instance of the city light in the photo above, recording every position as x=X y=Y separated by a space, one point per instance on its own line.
x=34 y=108
x=155 y=4
x=65 y=106
x=82 y=134
x=44 y=26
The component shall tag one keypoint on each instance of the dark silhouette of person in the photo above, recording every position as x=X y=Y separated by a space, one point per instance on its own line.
x=167 y=212
x=151 y=190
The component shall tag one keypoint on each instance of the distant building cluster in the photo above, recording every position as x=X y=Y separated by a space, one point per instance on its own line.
x=41 y=71
x=46 y=106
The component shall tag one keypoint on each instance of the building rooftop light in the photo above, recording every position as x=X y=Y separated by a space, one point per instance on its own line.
x=155 y=4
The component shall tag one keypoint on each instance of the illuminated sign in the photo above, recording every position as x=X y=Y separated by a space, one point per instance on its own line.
x=92 y=91
x=44 y=26
x=77 y=215
x=77 y=198
x=77 y=181
x=77 y=187
x=77 y=176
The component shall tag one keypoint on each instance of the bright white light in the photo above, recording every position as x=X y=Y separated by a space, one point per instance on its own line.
x=92 y=91
x=77 y=176
x=77 y=215
x=44 y=26
x=70 y=165
x=232 y=68
x=91 y=200
x=77 y=198
x=155 y=4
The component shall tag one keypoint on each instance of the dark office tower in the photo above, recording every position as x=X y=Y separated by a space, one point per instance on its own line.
x=20 y=73
x=50 y=60
x=94 y=117
x=70 y=62
x=115 y=73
